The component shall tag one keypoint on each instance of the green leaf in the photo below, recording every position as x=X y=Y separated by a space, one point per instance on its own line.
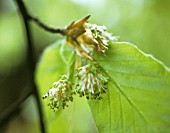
x=138 y=97
x=52 y=65
x=56 y=60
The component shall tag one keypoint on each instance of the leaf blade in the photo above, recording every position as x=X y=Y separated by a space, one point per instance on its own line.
x=56 y=61
x=140 y=80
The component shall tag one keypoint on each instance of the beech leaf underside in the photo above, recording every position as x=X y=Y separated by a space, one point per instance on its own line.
x=138 y=97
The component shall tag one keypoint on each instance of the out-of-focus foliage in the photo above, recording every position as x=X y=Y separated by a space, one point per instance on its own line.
x=142 y=22
x=12 y=47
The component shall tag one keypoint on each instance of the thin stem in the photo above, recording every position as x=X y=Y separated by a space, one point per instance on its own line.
x=31 y=60
x=45 y=27
x=30 y=17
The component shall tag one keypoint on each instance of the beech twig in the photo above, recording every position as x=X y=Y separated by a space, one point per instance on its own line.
x=45 y=27
x=31 y=60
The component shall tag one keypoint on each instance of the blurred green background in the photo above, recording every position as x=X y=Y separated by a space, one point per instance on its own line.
x=145 y=23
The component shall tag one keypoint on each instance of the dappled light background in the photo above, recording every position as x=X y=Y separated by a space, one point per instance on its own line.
x=144 y=23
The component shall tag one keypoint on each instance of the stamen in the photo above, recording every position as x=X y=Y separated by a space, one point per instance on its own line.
x=92 y=82
x=60 y=93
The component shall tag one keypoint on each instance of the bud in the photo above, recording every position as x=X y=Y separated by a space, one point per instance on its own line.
x=60 y=93
x=86 y=37
x=91 y=82
x=76 y=28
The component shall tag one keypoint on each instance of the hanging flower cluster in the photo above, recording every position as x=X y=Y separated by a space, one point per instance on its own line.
x=91 y=82
x=60 y=93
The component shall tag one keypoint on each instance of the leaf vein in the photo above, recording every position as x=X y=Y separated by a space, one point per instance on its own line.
x=121 y=113
x=109 y=113
x=131 y=103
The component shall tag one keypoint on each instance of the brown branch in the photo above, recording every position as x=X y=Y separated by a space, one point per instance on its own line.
x=31 y=60
x=45 y=27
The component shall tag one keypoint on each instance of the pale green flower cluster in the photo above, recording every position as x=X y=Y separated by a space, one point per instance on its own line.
x=101 y=35
x=60 y=93
x=91 y=82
